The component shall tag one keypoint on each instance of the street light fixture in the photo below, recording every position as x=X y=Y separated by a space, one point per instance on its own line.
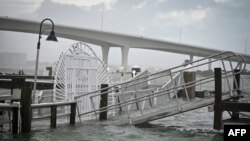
x=51 y=37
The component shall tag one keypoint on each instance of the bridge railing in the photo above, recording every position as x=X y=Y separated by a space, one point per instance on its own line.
x=125 y=101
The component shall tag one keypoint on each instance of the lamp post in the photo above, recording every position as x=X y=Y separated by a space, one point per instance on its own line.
x=51 y=37
x=246 y=45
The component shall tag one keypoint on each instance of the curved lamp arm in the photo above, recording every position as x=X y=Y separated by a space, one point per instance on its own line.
x=40 y=31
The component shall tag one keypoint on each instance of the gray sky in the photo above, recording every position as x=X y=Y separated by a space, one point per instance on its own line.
x=220 y=24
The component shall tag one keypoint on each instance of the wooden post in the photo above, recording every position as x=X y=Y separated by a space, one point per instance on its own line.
x=15 y=120
x=21 y=82
x=73 y=113
x=12 y=86
x=26 y=112
x=190 y=77
x=218 y=99
x=118 y=101
x=53 y=116
x=137 y=103
x=103 y=101
x=150 y=101
x=237 y=83
x=235 y=115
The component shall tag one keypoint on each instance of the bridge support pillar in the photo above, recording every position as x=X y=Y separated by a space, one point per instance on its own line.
x=191 y=58
x=124 y=57
x=105 y=52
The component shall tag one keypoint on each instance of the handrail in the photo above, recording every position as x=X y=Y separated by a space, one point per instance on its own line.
x=169 y=81
x=11 y=76
x=166 y=71
x=5 y=105
x=143 y=74
x=166 y=91
x=44 y=105
x=145 y=97
x=136 y=77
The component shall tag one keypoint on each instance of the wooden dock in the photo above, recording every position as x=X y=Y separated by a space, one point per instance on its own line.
x=18 y=81
x=25 y=84
x=14 y=108
x=233 y=107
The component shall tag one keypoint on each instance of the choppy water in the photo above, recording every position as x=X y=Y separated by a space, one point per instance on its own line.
x=113 y=133
x=194 y=126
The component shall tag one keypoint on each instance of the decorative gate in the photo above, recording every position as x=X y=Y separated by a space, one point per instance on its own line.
x=79 y=71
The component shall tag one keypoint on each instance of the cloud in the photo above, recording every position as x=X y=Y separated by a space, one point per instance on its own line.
x=18 y=7
x=182 y=17
x=141 y=29
x=88 y=3
x=220 y=1
x=161 y=0
x=141 y=5
x=198 y=15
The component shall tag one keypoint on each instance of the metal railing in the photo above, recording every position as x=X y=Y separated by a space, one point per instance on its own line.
x=53 y=109
x=137 y=79
x=217 y=59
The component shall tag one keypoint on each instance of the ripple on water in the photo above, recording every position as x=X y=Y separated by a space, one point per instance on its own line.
x=194 y=126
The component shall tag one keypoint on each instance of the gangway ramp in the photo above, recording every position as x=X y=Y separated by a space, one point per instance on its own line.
x=136 y=106
x=174 y=110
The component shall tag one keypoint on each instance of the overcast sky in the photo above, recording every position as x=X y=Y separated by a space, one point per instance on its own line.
x=220 y=24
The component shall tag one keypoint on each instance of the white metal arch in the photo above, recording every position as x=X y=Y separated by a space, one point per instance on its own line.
x=78 y=70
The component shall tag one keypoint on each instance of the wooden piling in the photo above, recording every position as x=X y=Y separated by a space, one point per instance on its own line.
x=218 y=99
x=237 y=82
x=103 y=102
x=15 y=120
x=190 y=77
x=26 y=112
x=73 y=113
x=137 y=102
x=235 y=115
x=53 y=116
x=12 y=86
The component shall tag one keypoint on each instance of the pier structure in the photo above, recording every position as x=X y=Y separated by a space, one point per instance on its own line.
x=78 y=71
x=22 y=109
x=235 y=106
x=136 y=102
x=139 y=99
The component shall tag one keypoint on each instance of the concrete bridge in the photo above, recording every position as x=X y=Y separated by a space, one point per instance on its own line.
x=109 y=39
